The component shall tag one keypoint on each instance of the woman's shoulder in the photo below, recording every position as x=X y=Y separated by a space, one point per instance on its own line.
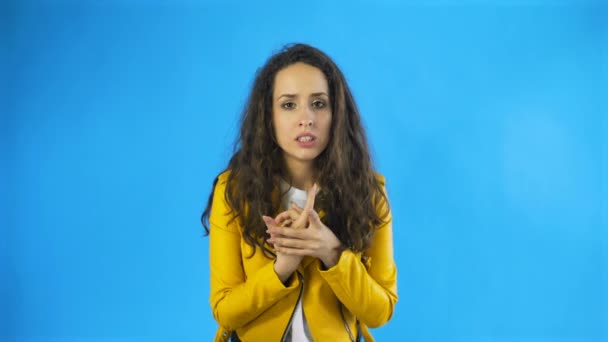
x=380 y=178
x=219 y=187
x=221 y=213
x=222 y=178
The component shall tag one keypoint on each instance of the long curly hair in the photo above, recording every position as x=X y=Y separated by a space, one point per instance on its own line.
x=350 y=192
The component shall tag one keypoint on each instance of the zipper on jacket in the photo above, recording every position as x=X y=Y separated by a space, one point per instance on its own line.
x=301 y=277
x=350 y=333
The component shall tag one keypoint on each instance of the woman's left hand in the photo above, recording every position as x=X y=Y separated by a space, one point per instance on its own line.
x=317 y=240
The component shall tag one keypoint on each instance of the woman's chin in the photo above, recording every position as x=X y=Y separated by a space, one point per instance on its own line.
x=303 y=156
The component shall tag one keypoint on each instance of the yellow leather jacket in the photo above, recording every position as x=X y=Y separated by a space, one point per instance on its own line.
x=248 y=297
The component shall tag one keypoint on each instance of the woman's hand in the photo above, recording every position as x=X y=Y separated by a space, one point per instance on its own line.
x=307 y=236
x=285 y=264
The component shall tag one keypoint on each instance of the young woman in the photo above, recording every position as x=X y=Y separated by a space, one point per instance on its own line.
x=300 y=227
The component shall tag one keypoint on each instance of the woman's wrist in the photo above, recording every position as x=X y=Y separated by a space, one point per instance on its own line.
x=332 y=258
x=282 y=271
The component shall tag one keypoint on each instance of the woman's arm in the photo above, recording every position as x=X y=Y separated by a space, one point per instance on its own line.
x=236 y=298
x=368 y=290
x=369 y=293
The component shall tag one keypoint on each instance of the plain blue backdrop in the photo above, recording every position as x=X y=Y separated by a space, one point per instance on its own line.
x=488 y=119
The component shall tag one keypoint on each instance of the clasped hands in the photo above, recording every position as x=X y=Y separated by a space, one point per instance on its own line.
x=298 y=232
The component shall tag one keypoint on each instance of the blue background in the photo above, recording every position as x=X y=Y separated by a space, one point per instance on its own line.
x=487 y=118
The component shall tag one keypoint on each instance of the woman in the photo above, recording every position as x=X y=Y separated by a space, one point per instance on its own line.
x=299 y=223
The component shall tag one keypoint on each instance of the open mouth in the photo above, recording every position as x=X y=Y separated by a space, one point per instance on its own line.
x=305 y=138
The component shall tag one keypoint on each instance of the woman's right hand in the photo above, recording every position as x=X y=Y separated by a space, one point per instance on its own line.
x=294 y=218
x=285 y=265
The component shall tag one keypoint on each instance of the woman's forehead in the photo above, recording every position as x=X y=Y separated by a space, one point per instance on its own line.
x=300 y=79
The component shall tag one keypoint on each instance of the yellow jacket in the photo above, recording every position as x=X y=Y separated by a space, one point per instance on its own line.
x=248 y=297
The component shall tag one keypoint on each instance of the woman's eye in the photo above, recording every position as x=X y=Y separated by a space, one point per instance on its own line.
x=318 y=104
x=288 y=105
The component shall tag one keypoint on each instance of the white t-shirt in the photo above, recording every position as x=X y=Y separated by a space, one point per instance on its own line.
x=299 y=328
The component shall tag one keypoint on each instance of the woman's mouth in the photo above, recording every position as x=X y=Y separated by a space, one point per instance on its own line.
x=306 y=140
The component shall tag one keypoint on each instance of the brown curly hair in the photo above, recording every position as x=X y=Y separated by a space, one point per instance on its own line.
x=350 y=190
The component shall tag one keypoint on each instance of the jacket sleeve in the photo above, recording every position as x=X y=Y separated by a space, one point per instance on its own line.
x=237 y=298
x=367 y=288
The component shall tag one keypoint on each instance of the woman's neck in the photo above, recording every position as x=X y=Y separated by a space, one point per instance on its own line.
x=301 y=174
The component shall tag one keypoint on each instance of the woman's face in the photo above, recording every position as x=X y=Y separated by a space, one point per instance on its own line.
x=301 y=113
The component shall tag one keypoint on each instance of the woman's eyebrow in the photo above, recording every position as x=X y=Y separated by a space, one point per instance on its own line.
x=288 y=95
x=291 y=96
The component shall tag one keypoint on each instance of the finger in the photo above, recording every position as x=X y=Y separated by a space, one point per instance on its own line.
x=288 y=214
x=272 y=240
x=314 y=217
x=270 y=222
x=296 y=208
x=299 y=222
x=310 y=198
x=283 y=220
x=299 y=211
x=310 y=204
x=277 y=231
x=294 y=243
x=293 y=251
x=281 y=217
x=278 y=219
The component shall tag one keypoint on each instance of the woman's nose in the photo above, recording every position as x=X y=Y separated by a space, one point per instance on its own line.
x=306 y=122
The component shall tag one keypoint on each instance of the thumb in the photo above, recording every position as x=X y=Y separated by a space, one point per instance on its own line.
x=314 y=218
